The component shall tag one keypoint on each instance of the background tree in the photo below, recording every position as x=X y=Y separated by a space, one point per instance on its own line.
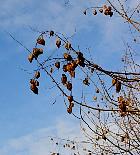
x=108 y=105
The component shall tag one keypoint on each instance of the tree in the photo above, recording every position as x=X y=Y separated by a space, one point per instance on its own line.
x=110 y=113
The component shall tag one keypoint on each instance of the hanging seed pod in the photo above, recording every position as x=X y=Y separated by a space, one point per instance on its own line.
x=68 y=46
x=101 y=10
x=70 y=98
x=64 y=79
x=30 y=58
x=69 y=110
x=41 y=41
x=95 y=98
x=51 y=33
x=114 y=81
x=34 y=88
x=94 y=12
x=72 y=74
x=36 y=83
x=97 y=91
x=37 y=52
x=37 y=74
x=57 y=64
x=111 y=14
x=51 y=70
x=58 y=42
x=122 y=107
x=65 y=68
x=32 y=81
x=118 y=86
x=86 y=82
x=69 y=86
x=71 y=104
x=120 y=99
x=67 y=57
x=84 y=12
x=109 y=8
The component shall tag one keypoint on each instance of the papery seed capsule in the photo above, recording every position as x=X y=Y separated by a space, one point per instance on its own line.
x=57 y=64
x=94 y=12
x=30 y=58
x=37 y=74
x=70 y=98
x=41 y=41
x=69 y=86
x=64 y=79
x=34 y=88
x=114 y=81
x=51 y=33
x=68 y=45
x=69 y=110
x=118 y=86
x=58 y=42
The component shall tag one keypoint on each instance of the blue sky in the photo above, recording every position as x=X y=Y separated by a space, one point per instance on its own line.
x=24 y=115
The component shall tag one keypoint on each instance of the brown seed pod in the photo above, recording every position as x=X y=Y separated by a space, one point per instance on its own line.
x=68 y=46
x=67 y=57
x=95 y=98
x=86 y=81
x=118 y=86
x=65 y=68
x=41 y=41
x=97 y=90
x=30 y=58
x=69 y=110
x=111 y=14
x=37 y=74
x=109 y=8
x=94 y=12
x=36 y=83
x=64 y=79
x=58 y=42
x=101 y=10
x=71 y=104
x=72 y=74
x=57 y=64
x=69 y=86
x=32 y=81
x=37 y=52
x=51 y=33
x=34 y=88
x=84 y=12
x=70 y=98
x=114 y=81
x=122 y=107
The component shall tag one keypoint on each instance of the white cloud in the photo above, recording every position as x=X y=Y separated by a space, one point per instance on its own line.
x=38 y=142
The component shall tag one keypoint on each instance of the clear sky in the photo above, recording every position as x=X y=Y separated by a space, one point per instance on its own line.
x=23 y=115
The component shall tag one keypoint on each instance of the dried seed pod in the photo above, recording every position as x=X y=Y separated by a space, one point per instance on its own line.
x=36 y=83
x=70 y=98
x=58 y=42
x=72 y=74
x=109 y=8
x=64 y=79
x=37 y=52
x=51 y=70
x=86 y=81
x=68 y=46
x=69 y=110
x=111 y=14
x=71 y=104
x=95 y=98
x=57 y=64
x=65 y=68
x=32 y=81
x=84 y=12
x=69 y=86
x=101 y=10
x=67 y=57
x=122 y=107
x=41 y=41
x=51 y=33
x=114 y=81
x=34 y=88
x=30 y=58
x=37 y=74
x=118 y=86
x=120 y=99
x=94 y=12
x=97 y=90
